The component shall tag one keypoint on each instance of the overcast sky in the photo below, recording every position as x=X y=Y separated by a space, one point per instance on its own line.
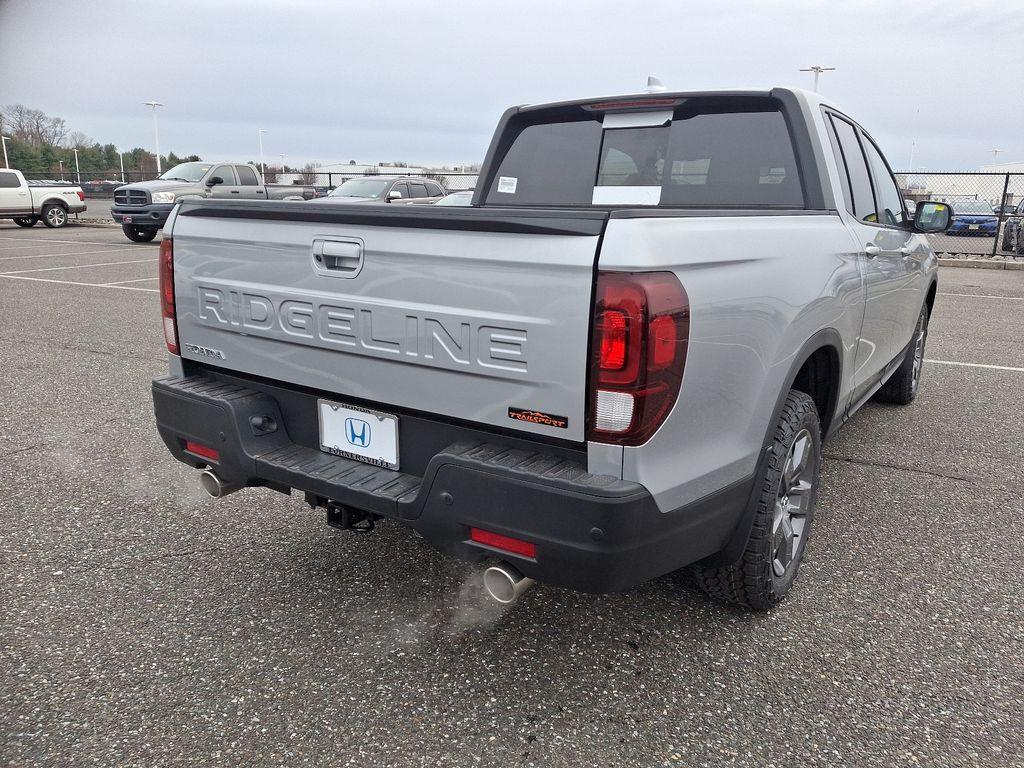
x=425 y=81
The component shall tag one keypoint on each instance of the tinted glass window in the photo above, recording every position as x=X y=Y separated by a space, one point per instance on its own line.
x=8 y=180
x=434 y=189
x=246 y=176
x=549 y=164
x=225 y=172
x=856 y=167
x=402 y=188
x=890 y=201
x=844 y=177
x=731 y=158
x=417 y=189
x=714 y=152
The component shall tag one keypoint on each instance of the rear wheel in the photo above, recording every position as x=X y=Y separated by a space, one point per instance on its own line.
x=54 y=215
x=138 y=234
x=782 y=518
x=902 y=386
x=26 y=221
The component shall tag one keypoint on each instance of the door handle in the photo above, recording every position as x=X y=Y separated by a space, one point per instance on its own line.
x=234 y=191
x=871 y=251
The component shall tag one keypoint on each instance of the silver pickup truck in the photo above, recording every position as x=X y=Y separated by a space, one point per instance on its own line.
x=142 y=208
x=620 y=361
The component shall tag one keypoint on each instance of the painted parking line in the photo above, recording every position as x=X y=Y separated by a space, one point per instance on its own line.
x=125 y=282
x=976 y=365
x=70 y=253
x=984 y=296
x=72 y=282
x=77 y=266
x=65 y=242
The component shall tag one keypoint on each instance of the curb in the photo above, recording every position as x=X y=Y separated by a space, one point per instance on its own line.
x=981 y=263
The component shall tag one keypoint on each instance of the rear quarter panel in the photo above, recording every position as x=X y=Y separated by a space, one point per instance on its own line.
x=759 y=287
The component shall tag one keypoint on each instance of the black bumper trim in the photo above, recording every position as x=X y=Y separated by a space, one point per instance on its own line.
x=594 y=533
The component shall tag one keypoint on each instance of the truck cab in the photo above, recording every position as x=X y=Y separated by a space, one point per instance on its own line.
x=142 y=208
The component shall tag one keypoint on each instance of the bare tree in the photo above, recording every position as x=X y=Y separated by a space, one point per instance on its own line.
x=33 y=126
x=77 y=139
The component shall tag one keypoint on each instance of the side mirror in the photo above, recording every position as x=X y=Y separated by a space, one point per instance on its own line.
x=394 y=194
x=932 y=218
x=214 y=181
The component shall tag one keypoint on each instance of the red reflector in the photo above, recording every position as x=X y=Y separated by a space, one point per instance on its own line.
x=201 y=450
x=506 y=543
x=613 y=340
x=81 y=196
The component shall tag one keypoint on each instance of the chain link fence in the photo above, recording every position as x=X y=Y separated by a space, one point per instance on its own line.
x=987 y=210
x=102 y=185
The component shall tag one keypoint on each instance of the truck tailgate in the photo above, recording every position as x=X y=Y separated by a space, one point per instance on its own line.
x=481 y=315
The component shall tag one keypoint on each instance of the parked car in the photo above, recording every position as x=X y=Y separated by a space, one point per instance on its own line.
x=386 y=189
x=141 y=208
x=100 y=187
x=1013 y=231
x=587 y=383
x=973 y=217
x=462 y=198
x=28 y=201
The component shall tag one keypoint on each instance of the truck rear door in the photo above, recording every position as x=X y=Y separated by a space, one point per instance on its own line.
x=480 y=315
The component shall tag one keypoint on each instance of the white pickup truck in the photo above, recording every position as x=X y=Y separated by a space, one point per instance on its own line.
x=28 y=201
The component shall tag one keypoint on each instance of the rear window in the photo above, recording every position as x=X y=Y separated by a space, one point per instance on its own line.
x=709 y=152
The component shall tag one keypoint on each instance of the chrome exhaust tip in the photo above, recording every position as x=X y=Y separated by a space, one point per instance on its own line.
x=216 y=487
x=505 y=584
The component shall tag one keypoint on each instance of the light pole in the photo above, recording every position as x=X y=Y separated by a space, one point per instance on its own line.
x=4 y=140
x=260 y=134
x=78 y=172
x=61 y=163
x=121 y=156
x=156 y=131
x=817 y=70
x=995 y=155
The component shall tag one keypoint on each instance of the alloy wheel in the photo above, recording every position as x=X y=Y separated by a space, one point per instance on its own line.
x=56 y=216
x=793 y=501
x=915 y=374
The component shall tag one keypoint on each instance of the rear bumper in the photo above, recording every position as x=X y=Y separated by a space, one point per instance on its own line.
x=593 y=533
x=972 y=228
x=153 y=215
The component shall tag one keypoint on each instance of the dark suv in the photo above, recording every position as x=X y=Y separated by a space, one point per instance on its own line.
x=386 y=189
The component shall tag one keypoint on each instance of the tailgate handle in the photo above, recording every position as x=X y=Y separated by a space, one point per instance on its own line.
x=337 y=258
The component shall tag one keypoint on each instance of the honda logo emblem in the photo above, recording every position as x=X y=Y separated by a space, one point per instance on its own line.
x=357 y=432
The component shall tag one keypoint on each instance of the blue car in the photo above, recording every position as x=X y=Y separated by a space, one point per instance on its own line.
x=973 y=217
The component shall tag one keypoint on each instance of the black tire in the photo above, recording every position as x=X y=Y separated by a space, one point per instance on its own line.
x=1008 y=237
x=772 y=556
x=902 y=386
x=139 y=234
x=26 y=221
x=54 y=215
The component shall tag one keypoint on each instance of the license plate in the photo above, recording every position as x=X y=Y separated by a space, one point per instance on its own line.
x=974 y=226
x=357 y=433
x=127 y=219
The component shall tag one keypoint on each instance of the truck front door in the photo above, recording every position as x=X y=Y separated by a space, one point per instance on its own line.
x=228 y=188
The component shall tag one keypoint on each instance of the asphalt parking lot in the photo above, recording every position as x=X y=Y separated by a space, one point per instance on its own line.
x=146 y=624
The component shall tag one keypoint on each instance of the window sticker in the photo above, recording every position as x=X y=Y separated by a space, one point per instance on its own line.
x=626 y=195
x=507 y=184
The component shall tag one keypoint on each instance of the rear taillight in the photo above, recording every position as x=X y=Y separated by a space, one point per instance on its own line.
x=641 y=331
x=81 y=196
x=167 y=295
